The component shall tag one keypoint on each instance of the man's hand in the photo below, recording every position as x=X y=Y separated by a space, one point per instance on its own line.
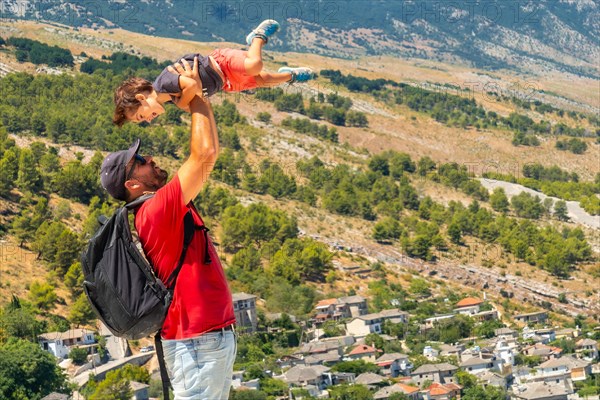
x=183 y=68
x=188 y=73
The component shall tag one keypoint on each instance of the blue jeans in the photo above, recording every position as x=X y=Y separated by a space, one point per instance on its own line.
x=200 y=368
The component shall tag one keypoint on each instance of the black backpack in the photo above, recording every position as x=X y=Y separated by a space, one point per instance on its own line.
x=121 y=285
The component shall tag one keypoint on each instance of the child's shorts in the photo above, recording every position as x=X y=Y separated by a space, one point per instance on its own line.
x=231 y=62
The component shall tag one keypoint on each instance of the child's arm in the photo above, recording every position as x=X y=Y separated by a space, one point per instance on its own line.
x=190 y=83
x=189 y=88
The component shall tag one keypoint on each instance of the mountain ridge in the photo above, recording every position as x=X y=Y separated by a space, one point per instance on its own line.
x=546 y=35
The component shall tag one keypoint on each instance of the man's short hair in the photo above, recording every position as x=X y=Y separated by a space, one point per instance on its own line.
x=125 y=101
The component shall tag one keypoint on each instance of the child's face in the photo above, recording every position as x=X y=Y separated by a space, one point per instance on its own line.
x=147 y=111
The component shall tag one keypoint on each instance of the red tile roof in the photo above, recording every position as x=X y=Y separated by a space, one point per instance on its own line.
x=407 y=389
x=468 y=302
x=437 y=389
x=363 y=349
x=326 y=302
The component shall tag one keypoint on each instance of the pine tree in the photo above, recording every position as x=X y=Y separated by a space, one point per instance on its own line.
x=455 y=233
x=67 y=250
x=81 y=312
x=28 y=178
x=499 y=201
x=560 y=210
x=9 y=168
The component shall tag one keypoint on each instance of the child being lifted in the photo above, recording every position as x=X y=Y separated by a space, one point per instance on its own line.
x=138 y=100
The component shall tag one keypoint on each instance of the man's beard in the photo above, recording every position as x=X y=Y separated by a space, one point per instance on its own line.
x=160 y=180
x=162 y=176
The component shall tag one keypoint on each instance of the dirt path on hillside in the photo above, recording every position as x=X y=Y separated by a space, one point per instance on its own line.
x=576 y=213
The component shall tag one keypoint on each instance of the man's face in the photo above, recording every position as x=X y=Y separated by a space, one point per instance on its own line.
x=147 y=173
x=147 y=111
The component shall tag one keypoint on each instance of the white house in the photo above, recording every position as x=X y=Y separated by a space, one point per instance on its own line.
x=411 y=392
x=587 y=349
x=302 y=376
x=430 y=353
x=441 y=373
x=373 y=323
x=244 y=307
x=394 y=364
x=354 y=306
x=60 y=343
x=532 y=318
x=505 y=352
x=468 y=306
x=541 y=391
x=562 y=368
x=364 y=352
x=476 y=365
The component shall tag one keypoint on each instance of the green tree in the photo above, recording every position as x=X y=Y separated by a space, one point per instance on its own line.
x=68 y=249
x=556 y=263
x=419 y=246
x=386 y=229
x=484 y=393
x=455 y=233
x=78 y=355
x=499 y=201
x=28 y=177
x=560 y=210
x=355 y=366
x=247 y=258
x=113 y=387
x=74 y=279
x=420 y=287
x=19 y=322
x=373 y=339
x=264 y=117
x=10 y=170
x=28 y=372
x=273 y=387
x=350 y=392
x=357 y=119
x=299 y=260
x=332 y=329
x=42 y=295
x=81 y=313
x=46 y=239
x=248 y=395
x=465 y=379
x=527 y=206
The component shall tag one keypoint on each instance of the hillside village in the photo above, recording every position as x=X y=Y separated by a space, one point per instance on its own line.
x=525 y=361
x=388 y=311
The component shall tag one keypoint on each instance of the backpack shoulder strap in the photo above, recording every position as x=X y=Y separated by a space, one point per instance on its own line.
x=137 y=202
x=189 y=228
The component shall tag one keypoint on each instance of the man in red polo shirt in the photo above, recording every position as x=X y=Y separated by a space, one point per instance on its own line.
x=197 y=335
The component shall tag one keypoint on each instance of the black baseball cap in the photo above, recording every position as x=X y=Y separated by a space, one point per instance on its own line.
x=112 y=173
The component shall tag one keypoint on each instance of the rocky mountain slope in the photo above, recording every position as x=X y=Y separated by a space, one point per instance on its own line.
x=540 y=36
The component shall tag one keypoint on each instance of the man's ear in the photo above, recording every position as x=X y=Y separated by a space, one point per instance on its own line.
x=132 y=184
x=140 y=97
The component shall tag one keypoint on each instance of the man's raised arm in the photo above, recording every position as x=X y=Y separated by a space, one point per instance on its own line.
x=204 y=149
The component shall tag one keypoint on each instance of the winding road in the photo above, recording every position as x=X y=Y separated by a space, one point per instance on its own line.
x=575 y=212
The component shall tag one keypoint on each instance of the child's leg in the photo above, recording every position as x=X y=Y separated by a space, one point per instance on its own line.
x=253 y=62
x=267 y=79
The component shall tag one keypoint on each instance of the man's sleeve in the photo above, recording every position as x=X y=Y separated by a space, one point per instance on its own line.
x=167 y=82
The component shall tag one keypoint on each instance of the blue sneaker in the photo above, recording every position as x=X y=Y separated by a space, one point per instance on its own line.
x=301 y=74
x=266 y=29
